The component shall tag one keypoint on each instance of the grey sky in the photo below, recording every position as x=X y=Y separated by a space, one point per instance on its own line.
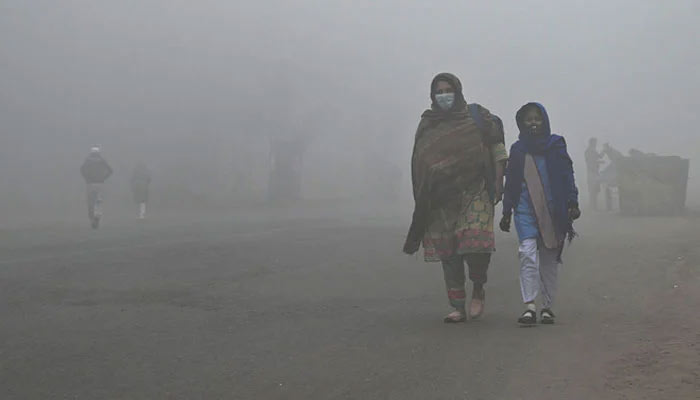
x=181 y=83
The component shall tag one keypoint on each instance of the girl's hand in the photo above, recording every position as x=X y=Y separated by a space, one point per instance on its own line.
x=505 y=223
x=574 y=213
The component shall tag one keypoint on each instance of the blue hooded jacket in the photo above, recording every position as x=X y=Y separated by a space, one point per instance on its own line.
x=559 y=169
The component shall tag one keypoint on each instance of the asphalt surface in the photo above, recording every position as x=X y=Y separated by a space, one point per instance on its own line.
x=289 y=306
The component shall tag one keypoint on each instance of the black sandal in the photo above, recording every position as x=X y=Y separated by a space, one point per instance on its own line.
x=546 y=316
x=529 y=317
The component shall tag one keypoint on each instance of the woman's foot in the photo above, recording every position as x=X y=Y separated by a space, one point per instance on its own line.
x=529 y=317
x=476 y=307
x=546 y=316
x=455 y=317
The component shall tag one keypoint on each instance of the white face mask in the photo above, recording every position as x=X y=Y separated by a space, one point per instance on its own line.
x=445 y=100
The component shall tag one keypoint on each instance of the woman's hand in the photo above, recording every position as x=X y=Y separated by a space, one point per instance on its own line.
x=498 y=195
x=505 y=223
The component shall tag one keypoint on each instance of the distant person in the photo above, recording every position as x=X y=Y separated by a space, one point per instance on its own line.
x=608 y=177
x=457 y=172
x=140 y=181
x=593 y=161
x=95 y=171
x=541 y=190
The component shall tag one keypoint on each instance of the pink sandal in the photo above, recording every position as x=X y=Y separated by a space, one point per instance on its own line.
x=455 y=317
x=476 y=307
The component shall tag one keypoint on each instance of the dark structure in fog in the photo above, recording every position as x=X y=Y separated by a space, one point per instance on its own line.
x=652 y=185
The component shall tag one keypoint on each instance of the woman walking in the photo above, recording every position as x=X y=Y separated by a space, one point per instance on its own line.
x=457 y=172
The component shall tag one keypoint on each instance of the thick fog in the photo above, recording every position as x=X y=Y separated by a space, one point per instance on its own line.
x=198 y=90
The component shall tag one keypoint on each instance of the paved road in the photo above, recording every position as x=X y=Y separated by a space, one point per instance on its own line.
x=262 y=307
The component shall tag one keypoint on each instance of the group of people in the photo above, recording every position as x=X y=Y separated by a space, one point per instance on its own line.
x=458 y=167
x=460 y=170
x=95 y=171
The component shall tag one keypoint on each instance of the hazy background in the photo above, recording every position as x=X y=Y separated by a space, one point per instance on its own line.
x=197 y=89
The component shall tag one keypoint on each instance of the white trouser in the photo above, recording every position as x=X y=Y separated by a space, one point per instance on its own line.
x=538 y=270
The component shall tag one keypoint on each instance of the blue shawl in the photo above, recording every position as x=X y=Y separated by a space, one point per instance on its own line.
x=559 y=167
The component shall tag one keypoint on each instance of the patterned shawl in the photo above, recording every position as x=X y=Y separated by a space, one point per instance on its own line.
x=449 y=158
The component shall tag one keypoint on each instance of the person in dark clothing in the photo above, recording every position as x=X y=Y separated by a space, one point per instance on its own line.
x=541 y=192
x=95 y=171
x=140 y=181
x=593 y=161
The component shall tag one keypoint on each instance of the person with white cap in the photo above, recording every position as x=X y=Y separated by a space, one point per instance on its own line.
x=95 y=171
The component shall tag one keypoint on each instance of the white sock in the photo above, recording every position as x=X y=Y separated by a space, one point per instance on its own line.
x=532 y=307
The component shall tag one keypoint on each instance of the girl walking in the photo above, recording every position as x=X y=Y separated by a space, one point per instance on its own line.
x=540 y=190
